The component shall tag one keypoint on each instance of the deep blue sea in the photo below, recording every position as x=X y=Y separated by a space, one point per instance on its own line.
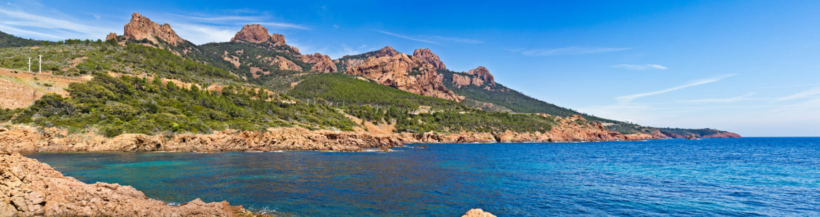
x=709 y=177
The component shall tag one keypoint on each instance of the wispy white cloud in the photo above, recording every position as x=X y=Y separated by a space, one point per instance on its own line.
x=724 y=100
x=283 y=25
x=433 y=39
x=640 y=67
x=22 y=22
x=575 y=50
x=457 y=40
x=201 y=34
x=405 y=37
x=803 y=94
x=629 y=98
x=18 y=32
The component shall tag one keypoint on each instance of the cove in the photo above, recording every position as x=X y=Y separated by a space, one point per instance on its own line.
x=724 y=177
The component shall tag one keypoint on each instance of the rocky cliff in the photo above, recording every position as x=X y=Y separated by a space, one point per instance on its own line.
x=143 y=28
x=404 y=72
x=429 y=57
x=254 y=33
x=475 y=77
x=483 y=74
x=31 y=188
x=321 y=63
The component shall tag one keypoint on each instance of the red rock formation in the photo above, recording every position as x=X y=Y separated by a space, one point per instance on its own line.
x=428 y=56
x=111 y=36
x=387 y=51
x=321 y=63
x=31 y=188
x=252 y=33
x=277 y=38
x=460 y=80
x=483 y=73
x=395 y=71
x=283 y=63
x=143 y=28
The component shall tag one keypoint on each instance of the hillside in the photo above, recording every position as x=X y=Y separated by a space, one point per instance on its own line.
x=342 y=89
x=7 y=40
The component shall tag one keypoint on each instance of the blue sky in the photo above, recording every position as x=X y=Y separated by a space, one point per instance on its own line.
x=749 y=67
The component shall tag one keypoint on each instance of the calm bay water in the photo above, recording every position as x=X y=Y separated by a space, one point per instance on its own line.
x=710 y=177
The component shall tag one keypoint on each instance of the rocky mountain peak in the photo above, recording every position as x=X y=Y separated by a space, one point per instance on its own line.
x=482 y=73
x=430 y=57
x=252 y=33
x=141 y=27
x=387 y=51
x=277 y=38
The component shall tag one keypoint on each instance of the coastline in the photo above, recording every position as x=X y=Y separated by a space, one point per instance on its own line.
x=28 y=139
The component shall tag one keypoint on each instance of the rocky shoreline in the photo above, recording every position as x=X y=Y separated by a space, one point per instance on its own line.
x=31 y=188
x=27 y=139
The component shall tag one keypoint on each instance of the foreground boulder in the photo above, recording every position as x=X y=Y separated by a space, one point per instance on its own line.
x=478 y=213
x=31 y=188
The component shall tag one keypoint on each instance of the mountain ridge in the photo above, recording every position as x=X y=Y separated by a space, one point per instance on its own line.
x=257 y=57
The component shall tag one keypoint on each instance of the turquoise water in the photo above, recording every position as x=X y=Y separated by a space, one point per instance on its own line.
x=710 y=177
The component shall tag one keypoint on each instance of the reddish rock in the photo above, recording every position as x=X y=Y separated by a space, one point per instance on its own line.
x=387 y=51
x=482 y=73
x=430 y=57
x=111 y=36
x=277 y=38
x=143 y=28
x=723 y=135
x=283 y=63
x=395 y=71
x=31 y=188
x=321 y=63
x=252 y=33
x=461 y=80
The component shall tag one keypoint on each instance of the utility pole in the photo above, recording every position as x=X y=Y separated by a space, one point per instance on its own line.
x=40 y=69
x=29 y=64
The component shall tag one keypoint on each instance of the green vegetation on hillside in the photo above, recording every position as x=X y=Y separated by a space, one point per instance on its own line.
x=138 y=105
x=345 y=89
x=75 y=58
x=363 y=56
x=7 y=40
x=453 y=120
x=250 y=55
x=7 y=114
x=503 y=96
